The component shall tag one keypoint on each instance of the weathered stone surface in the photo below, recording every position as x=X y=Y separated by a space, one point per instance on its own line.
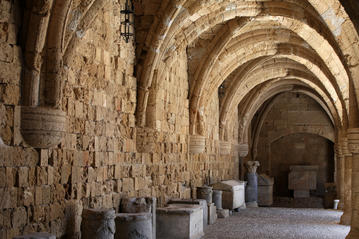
x=97 y=224
x=205 y=193
x=42 y=127
x=233 y=195
x=212 y=213
x=180 y=221
x=265 y=190
x=140 y=205
x=217 y=198
x=222 y=213
x=201 y=202
x=133 y=226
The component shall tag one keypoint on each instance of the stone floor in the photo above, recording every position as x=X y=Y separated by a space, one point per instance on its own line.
x=279 y=223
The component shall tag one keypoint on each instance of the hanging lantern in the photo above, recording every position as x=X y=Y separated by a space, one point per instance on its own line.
x=127 y=25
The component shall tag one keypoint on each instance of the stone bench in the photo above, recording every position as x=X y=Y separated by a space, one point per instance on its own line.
x=178 y=221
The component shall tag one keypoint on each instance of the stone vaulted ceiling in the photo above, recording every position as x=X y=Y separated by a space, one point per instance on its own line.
x=244 y=45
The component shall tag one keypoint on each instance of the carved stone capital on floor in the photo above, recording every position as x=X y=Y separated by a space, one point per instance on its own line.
x=353 y=140
x=42 y=127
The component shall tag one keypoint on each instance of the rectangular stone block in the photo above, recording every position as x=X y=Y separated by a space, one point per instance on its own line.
x=302 y=178
x=180 y=221
x=201 y=202
x=233 y=193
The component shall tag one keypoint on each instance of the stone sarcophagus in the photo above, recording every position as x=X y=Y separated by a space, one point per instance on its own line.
x=302 y=179
x=201 y=202
x=233 y=195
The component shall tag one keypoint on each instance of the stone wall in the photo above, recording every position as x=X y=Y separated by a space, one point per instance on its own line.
x=295 y=131
x=103 y=156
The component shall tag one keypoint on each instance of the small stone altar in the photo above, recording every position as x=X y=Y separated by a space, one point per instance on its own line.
x=178 y=221
x=232 y=193
x=201 y=202
x=302 y=179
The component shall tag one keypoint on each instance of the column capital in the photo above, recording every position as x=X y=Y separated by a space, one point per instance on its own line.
x=252 y=166
x=353 y=140
x=243 y=150
x=345 y=147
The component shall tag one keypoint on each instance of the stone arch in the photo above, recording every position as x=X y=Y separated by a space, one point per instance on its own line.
x=42 y=122
x=250 y=79
x=230 y=95
x=187 y=15
x=284 y=52
x=269 y=90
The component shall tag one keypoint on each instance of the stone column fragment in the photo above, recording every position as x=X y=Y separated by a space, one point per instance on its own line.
x=252 y=184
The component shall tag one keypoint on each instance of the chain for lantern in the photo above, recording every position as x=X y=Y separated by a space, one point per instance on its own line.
x=127 y=25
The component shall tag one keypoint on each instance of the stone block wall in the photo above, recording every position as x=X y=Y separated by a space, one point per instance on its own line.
x=103 y=156
x=296 y=130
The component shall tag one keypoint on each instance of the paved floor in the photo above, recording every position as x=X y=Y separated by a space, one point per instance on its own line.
x=279 y=223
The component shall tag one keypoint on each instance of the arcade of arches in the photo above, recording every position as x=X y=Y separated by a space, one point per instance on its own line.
x=87 y=119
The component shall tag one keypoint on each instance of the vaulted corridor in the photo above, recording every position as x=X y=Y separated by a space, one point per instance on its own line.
x=103 y=101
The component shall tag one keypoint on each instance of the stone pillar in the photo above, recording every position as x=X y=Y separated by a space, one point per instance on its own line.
x=340 y=175
x=252 y=184
x=353 y=144
x=217 y=198
x=98 y=224
x=243 y=152
x=346 y=217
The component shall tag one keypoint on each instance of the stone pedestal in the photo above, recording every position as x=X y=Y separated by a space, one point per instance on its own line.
x=302 y=179
x=353 y=144
x=133 y=226
x=252 y=184
x=217 y=198
x=201 y=202
x=265 y=190
x=212 y=213
x=205 y=193
x=38 y=235
x=140 y=206
x=98 y=224
x=232 y=193
x=179 y=222
x=347 y=215
x=42 y=127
